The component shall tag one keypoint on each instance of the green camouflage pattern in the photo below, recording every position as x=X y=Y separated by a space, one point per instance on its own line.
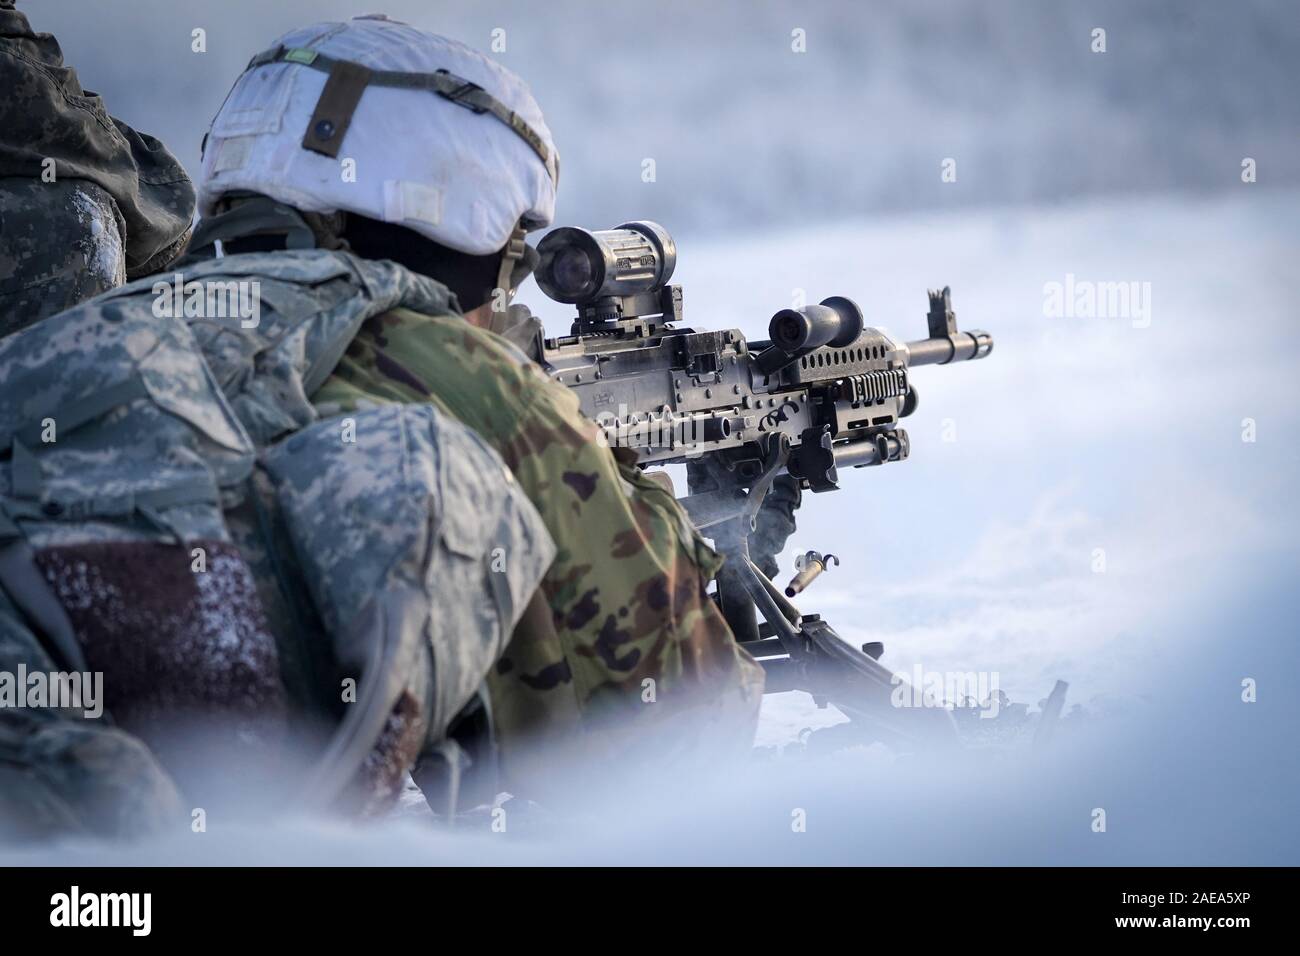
x=60 y=244
x=631 y=658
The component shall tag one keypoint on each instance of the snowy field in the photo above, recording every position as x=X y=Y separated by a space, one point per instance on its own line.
x=1123 y=434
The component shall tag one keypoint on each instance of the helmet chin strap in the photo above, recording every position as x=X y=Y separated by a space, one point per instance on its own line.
x=514 y=255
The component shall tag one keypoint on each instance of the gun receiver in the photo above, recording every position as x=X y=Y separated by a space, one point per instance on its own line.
x=822 y=394
x=830 y=387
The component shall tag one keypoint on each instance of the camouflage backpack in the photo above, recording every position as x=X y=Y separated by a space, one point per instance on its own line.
x=174 y=514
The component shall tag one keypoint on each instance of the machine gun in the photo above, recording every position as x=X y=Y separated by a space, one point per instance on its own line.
x=824 y=394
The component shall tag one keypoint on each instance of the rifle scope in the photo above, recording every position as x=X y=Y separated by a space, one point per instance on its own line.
x=578 y=265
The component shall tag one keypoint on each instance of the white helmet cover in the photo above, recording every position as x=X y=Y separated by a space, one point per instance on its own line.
x=461 y=164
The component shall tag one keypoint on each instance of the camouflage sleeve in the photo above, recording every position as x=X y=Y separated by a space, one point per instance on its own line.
x=633 y=641
x=54 y=131
x=60 y=243
x=62 y=775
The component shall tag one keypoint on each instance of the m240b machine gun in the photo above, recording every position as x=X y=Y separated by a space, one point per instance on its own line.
x=822 y=395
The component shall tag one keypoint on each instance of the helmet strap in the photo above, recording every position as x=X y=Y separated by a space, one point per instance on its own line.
x=338 y=101
x=512 y=255
x=347 y=80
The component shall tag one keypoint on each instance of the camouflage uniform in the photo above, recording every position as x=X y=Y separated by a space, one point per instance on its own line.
x=86 y=202
x=624 y=601
x=63 y=776
x=391 y=547
x=60 y=244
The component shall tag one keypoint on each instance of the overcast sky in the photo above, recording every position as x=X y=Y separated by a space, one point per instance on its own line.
x=746 y=131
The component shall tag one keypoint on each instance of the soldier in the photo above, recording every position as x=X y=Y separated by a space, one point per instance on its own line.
x=86 y=202
x=377 y=137
x=373 y=182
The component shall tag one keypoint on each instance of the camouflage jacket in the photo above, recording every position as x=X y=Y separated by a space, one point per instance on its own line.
x=61 y=243
x=225 y=556
x=628 y=665
x=83 y=196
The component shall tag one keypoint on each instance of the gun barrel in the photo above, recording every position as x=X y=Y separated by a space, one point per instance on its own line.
x=958 y=347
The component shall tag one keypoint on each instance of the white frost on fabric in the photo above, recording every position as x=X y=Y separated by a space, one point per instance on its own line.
x=102 y=243
x=231 y=634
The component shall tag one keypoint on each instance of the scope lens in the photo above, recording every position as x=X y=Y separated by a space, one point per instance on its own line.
x=571 y=271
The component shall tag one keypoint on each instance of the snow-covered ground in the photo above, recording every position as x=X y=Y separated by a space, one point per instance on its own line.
x=1122 y=434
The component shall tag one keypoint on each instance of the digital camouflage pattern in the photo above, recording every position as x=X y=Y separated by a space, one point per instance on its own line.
x=415 y=500
x=118 y=441
x=161 y=431
x=61 y=775
x=625 y=600
x=65 y=165
x=60 y=243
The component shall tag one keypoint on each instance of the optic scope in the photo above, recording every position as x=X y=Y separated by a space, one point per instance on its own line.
x=611 y=275
x=578 y=265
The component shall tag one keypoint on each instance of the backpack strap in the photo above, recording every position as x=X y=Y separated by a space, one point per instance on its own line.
x=32 y=595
